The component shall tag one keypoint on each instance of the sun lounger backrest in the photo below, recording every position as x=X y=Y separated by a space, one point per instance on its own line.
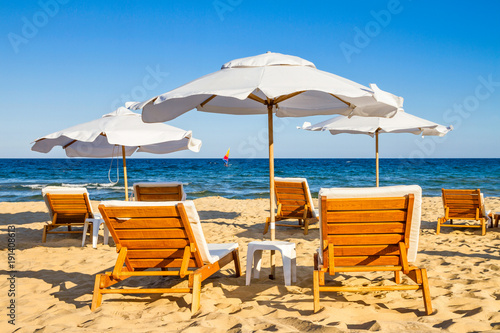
x=173 y=191
x=71 y=203
x=465 y=204
x=155 y=226
x=359 y=195
x=366 y=231
x=293 y=194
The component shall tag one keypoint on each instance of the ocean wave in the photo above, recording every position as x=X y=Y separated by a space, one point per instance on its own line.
x=34 y=186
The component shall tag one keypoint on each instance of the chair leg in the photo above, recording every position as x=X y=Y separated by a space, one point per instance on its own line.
x=426 y=292
x=237 y=263
x=438 y=228
x=397 y=277
x=306 y=226
x=483 y=227
x=44 y=234
x=266 y=228
x=97 y=297
x=195 y=304
x=321 y=278
x=316 y=276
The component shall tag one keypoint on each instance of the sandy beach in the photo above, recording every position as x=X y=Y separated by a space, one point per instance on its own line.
x=54 y=282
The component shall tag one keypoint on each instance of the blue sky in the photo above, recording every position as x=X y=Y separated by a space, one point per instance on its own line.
x=65 y=62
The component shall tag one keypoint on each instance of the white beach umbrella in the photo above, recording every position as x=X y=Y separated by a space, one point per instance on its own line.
x=402 y=122
x=271 y=83
x=120 y=129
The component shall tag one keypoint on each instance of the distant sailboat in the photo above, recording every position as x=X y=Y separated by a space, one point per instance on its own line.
x=226 y=158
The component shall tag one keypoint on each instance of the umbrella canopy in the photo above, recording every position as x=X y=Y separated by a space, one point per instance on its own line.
x=271 y=83
x=123 y=129
x=402 y=122
x=249 y=85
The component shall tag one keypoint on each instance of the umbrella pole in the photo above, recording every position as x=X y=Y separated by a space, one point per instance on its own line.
x=125 y=173
x=376 y=156
x=271 y=184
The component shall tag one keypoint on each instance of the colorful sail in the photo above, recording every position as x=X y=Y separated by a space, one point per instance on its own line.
x=226 y=158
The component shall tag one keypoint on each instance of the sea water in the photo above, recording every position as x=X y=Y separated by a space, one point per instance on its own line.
x=23 y=179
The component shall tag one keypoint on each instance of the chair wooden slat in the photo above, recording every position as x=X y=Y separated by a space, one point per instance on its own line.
x=396 y=215
x=143 y=234
x=366 y=261
x=363 y=228
x=360 y=204
x=159 y=190
x=154 y=243
x=365 y=239
x=367 y=250
x=155 y=253
x=293 y=202
x=159 y=263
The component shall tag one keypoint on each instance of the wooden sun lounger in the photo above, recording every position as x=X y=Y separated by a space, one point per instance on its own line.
x=67 y=210
x=159 y=192
x=462 y=205
x=158 y=237
x=293 y=202
x=365 y=235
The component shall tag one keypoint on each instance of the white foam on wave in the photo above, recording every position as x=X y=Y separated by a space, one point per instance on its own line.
x=34 y=186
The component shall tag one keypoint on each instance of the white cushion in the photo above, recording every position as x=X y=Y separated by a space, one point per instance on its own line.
x=194 y=219
x=383 y=192
x=218 y=251
x=64 y=190
x=308 y=191
x=159 y=184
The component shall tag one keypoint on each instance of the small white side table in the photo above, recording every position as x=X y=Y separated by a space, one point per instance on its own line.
x=96 y=224
x=288 y=256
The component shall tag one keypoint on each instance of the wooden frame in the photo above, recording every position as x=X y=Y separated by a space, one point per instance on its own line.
x=366 y=235
x=462 y=205
x=293 y=203
x=156 y=237
x=158 y=193
x=68 y=210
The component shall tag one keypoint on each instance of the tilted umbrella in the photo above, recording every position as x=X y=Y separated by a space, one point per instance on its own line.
x=402 y=122
x=271 y=83
x=123 y=129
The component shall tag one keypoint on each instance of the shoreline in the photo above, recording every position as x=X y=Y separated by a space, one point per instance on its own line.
x=55 y=281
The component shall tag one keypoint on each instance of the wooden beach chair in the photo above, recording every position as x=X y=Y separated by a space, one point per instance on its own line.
x=366 y=230
x=294 y=201
x=164 y=236
x=173 y=191
x=463 y=205
x=68 y=207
